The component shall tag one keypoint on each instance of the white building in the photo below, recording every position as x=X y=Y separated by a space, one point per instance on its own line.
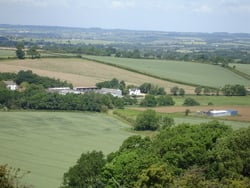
x=219 y=113
x=135 y=92
x=11 y=85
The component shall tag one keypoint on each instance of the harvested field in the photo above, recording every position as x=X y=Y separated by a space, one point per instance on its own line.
x=243 y=111
x=83 y=73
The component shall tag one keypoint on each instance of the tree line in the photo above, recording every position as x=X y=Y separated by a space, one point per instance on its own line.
x=202 y=155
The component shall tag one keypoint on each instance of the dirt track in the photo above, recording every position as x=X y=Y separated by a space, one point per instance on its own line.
x=243 y=111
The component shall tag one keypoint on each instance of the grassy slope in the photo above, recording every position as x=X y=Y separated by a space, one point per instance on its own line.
x=187 y=72
x=48 y=143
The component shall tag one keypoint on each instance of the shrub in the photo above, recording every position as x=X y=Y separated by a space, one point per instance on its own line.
x=190 y=102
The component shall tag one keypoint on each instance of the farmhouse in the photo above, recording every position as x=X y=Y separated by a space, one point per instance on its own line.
x=219 y=113
x=11 y=85
x=135 y=92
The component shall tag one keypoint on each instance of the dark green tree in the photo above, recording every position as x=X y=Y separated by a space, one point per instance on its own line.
x=147 y=120
x=190 y=102
x=174 y=90
x=181 y=92
x=20 y=51
x=165 y=100
x=149 y=101
x=86 y=173
x=198 y=90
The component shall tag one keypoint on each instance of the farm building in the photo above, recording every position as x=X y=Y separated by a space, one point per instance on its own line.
x=135 y=92
x=219 y=113
x=11 y=85
x=114 y=92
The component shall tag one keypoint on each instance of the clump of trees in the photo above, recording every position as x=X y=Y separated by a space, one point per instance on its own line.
x=152 y=101
x=150 y=120
x=203 y=155
x=227 y=90
x=234 y=90
x=149 y=88
x=31 y=78
x=177 y=91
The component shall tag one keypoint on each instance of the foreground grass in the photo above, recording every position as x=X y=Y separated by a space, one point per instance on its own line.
x=48 y=143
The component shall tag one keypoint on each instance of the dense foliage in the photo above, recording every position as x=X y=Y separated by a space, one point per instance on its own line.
x=204 y=155
x=35 y=97
x=152 y=101
x=87 y=171
x=190 y=102
x=31 y=78
x=150 y=120
x=152 y=89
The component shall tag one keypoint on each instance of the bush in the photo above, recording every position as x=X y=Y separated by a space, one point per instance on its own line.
x=147 y=120
x=149 y=101
x=190 y=102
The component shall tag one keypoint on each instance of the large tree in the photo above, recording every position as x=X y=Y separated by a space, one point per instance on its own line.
x=86 y=173
x=20 y=51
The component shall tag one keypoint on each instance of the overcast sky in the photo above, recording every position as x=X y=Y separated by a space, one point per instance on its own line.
x=164 y=15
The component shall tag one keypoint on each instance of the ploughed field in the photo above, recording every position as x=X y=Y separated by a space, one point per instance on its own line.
x=48 y=143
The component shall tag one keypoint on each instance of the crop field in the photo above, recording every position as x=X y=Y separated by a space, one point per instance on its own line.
x=186 y=72
x=83 y=73
x=48 y=143
x=242 y=67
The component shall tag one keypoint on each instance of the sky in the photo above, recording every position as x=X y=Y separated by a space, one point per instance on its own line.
x=159 y=15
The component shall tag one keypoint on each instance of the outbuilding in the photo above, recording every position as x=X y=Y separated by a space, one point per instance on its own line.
x=219 y=113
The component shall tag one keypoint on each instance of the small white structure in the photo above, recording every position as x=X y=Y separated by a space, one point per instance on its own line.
x=113 y=92
x=135 y=92
x=11 y=85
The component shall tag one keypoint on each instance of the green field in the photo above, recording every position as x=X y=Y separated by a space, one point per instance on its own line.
x=7 y=53
x=216 y=100
x=48 y=143
x=242 y=67
x=185 y=72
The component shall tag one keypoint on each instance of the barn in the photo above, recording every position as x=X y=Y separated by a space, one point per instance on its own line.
x=219 y=113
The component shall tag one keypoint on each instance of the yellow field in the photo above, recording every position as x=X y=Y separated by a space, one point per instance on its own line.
x=83 y=73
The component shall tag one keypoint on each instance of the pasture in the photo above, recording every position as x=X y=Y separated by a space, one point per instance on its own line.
x=48 y=143
x=83 y=73
x=180 y=71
